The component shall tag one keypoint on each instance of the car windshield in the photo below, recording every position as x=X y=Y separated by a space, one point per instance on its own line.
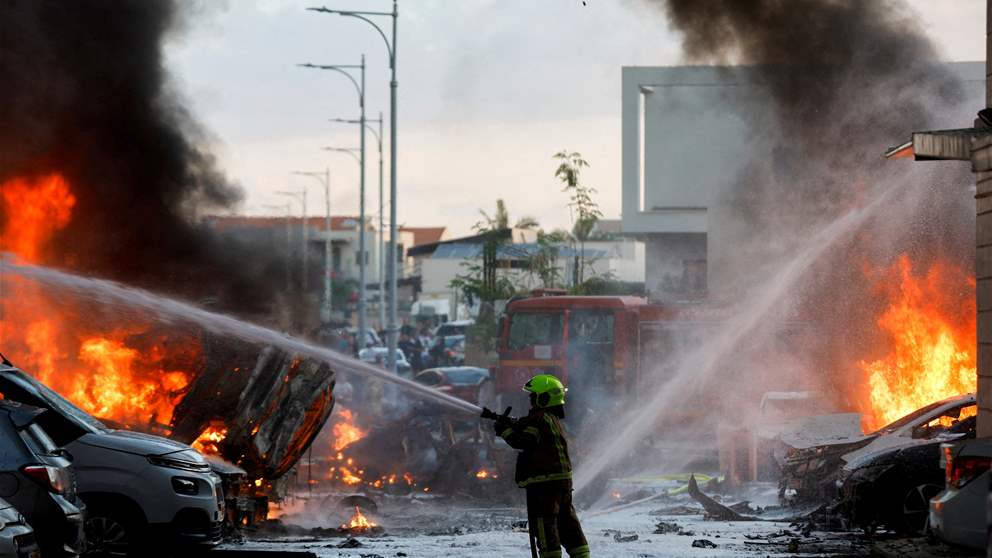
x=528 y=329
x=462 y=376
x=454 y=341
x=49 y=399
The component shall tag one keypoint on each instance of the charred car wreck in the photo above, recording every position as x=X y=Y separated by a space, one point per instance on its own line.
x=882 y=479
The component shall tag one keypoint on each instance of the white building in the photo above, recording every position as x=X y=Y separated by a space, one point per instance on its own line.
x=686 y=135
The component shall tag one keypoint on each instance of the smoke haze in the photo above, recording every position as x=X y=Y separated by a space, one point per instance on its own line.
x=86 y=95
x=816 y=207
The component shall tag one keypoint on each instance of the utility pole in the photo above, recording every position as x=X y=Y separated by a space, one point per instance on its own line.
x=301 y=196
x=362 y=251
x=381 y=249
x=392 y=328
x=325 y=179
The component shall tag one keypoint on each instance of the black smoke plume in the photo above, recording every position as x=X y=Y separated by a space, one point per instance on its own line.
x=845 y=80
x=85 y=93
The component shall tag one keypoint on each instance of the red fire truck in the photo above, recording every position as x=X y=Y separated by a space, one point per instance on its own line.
x=600 y=346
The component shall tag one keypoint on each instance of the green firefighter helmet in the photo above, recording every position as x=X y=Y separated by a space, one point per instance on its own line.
x=549 y=391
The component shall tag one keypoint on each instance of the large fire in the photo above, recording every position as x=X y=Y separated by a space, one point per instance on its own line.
x=346 y=432
x=930 y=320
x=358 y=522
x=124 y=371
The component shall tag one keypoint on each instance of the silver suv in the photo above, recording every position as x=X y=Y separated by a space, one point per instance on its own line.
x=137 y=488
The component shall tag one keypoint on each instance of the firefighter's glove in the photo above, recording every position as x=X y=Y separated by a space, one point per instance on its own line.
x=501 y=424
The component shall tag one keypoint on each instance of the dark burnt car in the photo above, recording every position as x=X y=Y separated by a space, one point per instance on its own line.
x=470 y=383
x=811 y=472
x=890 y=484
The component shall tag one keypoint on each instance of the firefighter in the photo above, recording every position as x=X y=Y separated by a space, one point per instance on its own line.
x=545 y=470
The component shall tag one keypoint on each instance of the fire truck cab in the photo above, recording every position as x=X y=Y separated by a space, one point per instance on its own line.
x=592 y=343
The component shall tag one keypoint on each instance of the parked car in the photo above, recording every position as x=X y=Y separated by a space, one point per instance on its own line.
x=811 y=470
x=889 y=483
x=17 y=538
x=35 y=477
x=456 y=327
x=372 y=338
x=956 y=514
x=137 y=488
x=380 y=355
x=447 y=351
x=465 y=382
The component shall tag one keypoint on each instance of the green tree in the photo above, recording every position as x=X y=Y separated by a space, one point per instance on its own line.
x=585 y=210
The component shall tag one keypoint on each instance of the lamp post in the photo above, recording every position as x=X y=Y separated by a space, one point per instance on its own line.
x=382 y=218
x=301 y=196
x=360 y=88
x=325 y=179
x=391 y=329
x=362 y=256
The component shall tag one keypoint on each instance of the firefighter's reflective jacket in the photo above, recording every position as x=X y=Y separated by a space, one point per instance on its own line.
x=544 y=451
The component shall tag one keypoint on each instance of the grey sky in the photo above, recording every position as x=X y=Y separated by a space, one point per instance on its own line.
x=489 y=91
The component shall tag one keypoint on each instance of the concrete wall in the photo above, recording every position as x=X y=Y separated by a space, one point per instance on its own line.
x=982 y=166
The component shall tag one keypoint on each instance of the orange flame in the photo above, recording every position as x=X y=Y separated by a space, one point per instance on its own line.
x=120 y=373
x=209 y=441
x=34 y=212
x=930 y=321
x=345 y=431
x=358 y=522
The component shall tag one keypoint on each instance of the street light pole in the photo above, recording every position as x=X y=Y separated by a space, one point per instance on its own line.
x=362 y=252
x=392 y=328
x=381 y=250
x=325 y=179
x=301 y=196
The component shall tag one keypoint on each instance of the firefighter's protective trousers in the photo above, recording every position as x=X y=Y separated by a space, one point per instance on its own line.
x=552 y=521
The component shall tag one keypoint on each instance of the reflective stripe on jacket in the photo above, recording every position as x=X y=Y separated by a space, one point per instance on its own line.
x=544 y=450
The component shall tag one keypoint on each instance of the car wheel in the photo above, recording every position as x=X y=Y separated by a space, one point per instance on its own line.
x=916 y=506
x=108 y=533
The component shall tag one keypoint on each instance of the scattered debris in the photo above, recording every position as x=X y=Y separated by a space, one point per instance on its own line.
x=351 y=542
x=714 y=509
x=620 y=538
x=677 y=510
x=665 y=528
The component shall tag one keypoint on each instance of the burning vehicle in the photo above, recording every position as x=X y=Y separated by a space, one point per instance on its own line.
x=885 y=478
x=136 y=487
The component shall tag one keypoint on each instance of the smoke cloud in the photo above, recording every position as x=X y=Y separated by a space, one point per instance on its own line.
x=86 y=95
x=816 y=205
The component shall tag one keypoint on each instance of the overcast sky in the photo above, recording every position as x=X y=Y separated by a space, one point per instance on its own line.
x=489 y=90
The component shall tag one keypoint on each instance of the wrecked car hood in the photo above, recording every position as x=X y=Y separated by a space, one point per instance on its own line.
x=132 y=442
x=885 y=444
x=839 y=429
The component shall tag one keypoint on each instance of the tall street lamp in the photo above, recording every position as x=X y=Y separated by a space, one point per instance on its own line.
x=392 y=328
x=360 y=88
x=325 y=179
x=382 y=217
x=362 y=256
x=301 y=196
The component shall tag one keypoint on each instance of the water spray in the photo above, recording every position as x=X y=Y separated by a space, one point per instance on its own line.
x=169 y=310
